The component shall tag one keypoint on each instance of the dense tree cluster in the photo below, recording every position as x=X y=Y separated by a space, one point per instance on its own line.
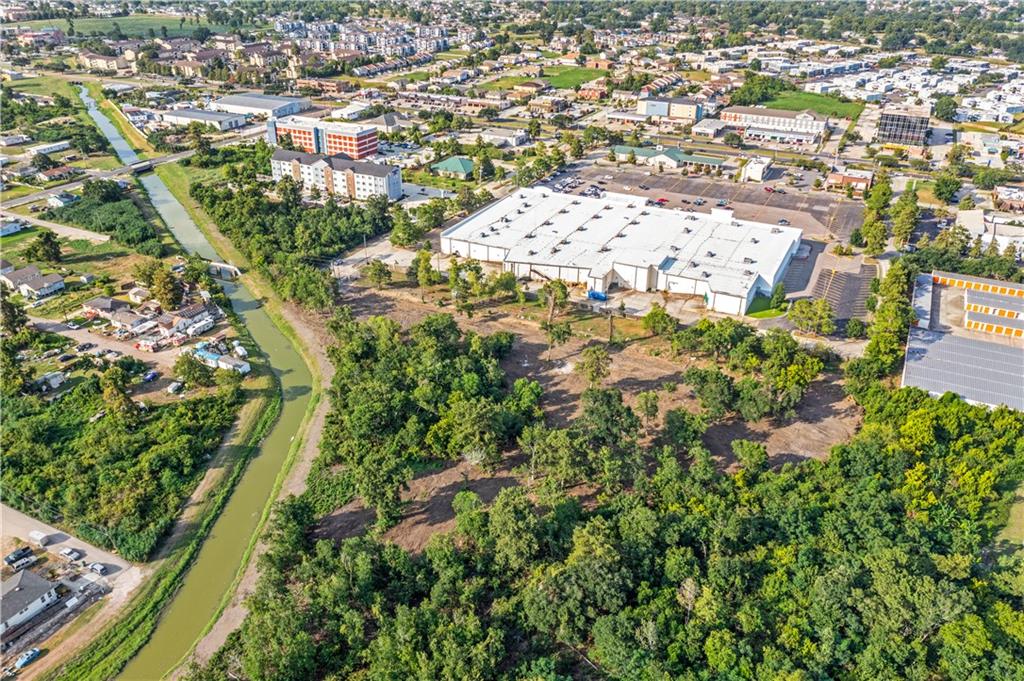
x=287 y=240
x=28 y=111
x=775 y=371
x=869 y=565
x=104 y=208
x=403 y=398
x=97 y=463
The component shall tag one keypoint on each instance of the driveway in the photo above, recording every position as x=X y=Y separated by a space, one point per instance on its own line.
x=66 y=231
x=17 y=524
x=164 y=359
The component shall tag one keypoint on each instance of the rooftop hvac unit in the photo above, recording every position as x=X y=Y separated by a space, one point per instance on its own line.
x=596 y=216
x=621 y=234
x=532 y=252
x=643 y=212
x=749 y=273
x=748 y=261
x=776 y=230
x=706 y=275
x=632 y=205
x=522 y=196
x=581 y=228
x=547 y=222
x=493 y=228
x=519 y=211
x=753 y=240
x=531 y=235
x=603 y=249
x=526 y=205
x=564 y=242
x=710 y=254
x=576 y=202
x=554 y=249
x=693 y=263
x=564 y=210
x=686 y=230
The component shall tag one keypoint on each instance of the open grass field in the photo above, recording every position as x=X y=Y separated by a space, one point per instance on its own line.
x=760 y=308
x=696 y=75
x=504 y=83
x=451 y=54
x=570 y=76
x=137 y=25
x=826 y=106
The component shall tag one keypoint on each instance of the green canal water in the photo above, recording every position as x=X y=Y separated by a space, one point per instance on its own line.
x=221 y=555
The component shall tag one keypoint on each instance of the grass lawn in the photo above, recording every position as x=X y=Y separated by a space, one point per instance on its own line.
x=987 y=127
x=451 y=54
x=696 y=75
x=45 y=85
x=427 y=179
x=926 y=193
x=570 y=76
x=504 y=83
x=760 y=308
x=98 y=162
x=414 y=76
x=137 y=25
x=826 y=106
x=1014 y=530
x=15 y=191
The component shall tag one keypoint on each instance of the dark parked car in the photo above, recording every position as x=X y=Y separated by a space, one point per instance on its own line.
x=17 y=554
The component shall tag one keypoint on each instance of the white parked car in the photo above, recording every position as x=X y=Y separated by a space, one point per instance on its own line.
x=98 y=568
x=70 y=553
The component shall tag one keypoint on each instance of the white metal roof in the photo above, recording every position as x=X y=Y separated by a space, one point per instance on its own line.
x=537 y=225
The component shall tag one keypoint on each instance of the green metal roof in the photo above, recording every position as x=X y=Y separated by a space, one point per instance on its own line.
x=676 y=155
x=454 y=164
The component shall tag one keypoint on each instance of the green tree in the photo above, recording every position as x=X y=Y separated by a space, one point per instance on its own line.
x=945 y=108
x=778 y=299
x=12 y=314
x=377 y=273
x=647 y=403
x=732 y=139
x=658 y=322
x=874 y=233
x=166 y=288
x=46 y=247
x=594 y=364
x=557 y=333
x=404 y=230
x=555 y=295
x=190 y=371
x=814 y=316
x=946 y=187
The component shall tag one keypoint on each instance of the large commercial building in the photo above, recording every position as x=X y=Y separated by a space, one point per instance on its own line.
x=775 y=125
x=214 y=119
x=314 y=136
x=337 y=175
x=904 y=125
x=269 y=106
x=616 y=240
x=670 y=109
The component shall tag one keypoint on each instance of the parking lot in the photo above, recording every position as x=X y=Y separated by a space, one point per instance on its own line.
x=818 y=214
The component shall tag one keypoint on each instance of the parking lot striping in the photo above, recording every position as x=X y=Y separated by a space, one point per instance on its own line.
x=829 y=284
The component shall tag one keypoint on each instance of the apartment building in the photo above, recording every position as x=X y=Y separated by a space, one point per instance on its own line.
x=775 y=125
x=315 y=136
x=905 y=124
x=337 y=175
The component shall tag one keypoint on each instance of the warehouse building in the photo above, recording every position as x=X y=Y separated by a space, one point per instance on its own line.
x=218 y=120
x=616 y=240
x=268 y=106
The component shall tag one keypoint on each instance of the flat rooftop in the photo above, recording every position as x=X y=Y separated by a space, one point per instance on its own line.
x=995 y=301
x=538 y=225
x=980 y=371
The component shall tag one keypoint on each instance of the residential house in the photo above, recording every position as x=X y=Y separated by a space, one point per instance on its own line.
x=58 y=173
x=62 y=199
x=8 y=227
x=41 y=286
x=103 y=306
x=24 y=596
x=127 y=320
x=14 y=278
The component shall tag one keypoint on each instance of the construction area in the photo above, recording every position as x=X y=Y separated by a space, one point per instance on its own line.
x=968 y=339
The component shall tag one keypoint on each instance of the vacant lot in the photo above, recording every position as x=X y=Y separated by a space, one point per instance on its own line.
x=823 y=104
x=825 y=417
x=137 y=25
x=570 y=76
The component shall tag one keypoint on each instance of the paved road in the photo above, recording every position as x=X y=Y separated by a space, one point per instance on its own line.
x=123 y=170
x=66 y=230
x=17 y=524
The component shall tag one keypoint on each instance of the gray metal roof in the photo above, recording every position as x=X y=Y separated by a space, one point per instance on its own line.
x=19 y=591
x=996 y=301
x=983 y=318
x=987 y=372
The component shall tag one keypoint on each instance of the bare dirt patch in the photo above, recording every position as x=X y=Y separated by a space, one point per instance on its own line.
x=824 y=418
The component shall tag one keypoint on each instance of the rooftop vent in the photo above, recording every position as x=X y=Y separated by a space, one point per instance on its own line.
x=693 y=263
x=710 y=254
x=706 y=275
x=686 y=230
x=564 y=210
x=554 y=249
x=564 y=242
x=621 y=234
x=597 y=216
x=576 y=202
x=776 y=230
x=603 y=249
x=532 y=252
x=643 y=212
x=522 y=196
x=519 y=211
x=531 y=235
x=581 y=228
x=674 y=249
x=753 y=240
x=748 y=261
x=749 y=273
x=608 y=207
x=547 y=222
